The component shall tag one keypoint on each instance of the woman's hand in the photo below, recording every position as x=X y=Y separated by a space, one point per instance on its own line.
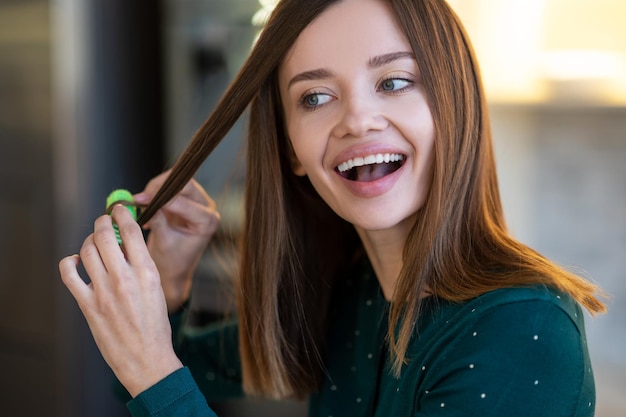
x=124 y=303
x=179 y=234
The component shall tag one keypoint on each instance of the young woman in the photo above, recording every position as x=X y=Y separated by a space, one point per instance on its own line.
x=376 y=274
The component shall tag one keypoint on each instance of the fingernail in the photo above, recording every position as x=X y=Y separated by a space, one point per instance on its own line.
x=141 y=198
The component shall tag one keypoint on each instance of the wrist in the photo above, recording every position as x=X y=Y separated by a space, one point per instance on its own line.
x=176 y=302
x=177 y=307
x=138 y=382
x=177 y=293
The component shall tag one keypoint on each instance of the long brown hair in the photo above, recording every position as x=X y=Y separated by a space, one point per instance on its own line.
x=294 y=245
x=459 y=247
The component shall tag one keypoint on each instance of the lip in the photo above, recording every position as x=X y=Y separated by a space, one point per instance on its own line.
x=371 y=188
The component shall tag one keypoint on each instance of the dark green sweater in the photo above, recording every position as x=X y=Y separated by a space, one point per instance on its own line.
x=511 y=352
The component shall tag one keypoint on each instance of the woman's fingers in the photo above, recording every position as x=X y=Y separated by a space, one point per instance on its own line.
x=68 y=267
x=101 y=253
x=193 y=216
x=132 y=238
x=92 y=262
x=124 y=305
x=191 y=211
x=195 y=192
x=179 y=233
x=191 y=190
x=106 y=242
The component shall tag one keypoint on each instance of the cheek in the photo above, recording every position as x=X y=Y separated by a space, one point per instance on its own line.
x=308 y=143
x=294 y=136
x=302 y=153
x=420 y=131
x=417 y=126
x=298 y=143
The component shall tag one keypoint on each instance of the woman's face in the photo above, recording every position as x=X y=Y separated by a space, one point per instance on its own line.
x=357 y=116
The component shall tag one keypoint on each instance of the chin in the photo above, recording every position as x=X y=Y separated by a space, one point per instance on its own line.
x=384 y=222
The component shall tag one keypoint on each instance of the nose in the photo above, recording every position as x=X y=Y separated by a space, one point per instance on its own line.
x=359 y=115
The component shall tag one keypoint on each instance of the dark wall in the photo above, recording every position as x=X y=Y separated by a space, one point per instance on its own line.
x=63 y=147
x=27 y=322
x=118 y=140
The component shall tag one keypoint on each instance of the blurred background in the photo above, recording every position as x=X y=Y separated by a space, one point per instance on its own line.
x=101 y=94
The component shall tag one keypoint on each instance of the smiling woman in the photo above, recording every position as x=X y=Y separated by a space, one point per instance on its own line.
x=370 y=136
x=376 y=275
x=369 y=102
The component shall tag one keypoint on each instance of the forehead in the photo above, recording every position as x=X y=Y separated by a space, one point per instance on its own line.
x=347 y=30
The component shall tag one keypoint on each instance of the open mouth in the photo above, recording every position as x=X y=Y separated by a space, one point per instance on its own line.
x=371 y=167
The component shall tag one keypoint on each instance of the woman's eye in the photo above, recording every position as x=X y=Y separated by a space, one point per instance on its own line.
x=311 y=101
x=394 y=84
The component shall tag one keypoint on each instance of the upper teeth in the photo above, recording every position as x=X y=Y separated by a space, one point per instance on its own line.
x=378 y=158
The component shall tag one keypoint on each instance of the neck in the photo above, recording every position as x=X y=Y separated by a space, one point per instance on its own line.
x=385 y=250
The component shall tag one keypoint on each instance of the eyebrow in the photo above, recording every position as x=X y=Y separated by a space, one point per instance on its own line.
x=316 y=74
x=374 y=62
x=380 y=60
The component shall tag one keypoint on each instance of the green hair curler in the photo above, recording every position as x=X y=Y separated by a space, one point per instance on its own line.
x=125 y=198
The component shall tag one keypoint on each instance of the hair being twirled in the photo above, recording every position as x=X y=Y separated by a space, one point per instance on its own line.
x=283 y=287
x=286 y=23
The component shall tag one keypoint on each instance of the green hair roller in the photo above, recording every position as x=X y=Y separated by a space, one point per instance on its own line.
x=125 y=198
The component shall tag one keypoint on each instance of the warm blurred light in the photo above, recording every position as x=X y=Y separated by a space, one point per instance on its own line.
x=268 y=4
x=261 y=16
x=580 y=64
x=549 y=50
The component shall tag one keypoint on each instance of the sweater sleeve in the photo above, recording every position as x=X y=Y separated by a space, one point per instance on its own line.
x=525 y=358
x=177 y=395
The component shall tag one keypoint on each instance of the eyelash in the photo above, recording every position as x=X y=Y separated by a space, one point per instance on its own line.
x=302 y=101
x=395 y=78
